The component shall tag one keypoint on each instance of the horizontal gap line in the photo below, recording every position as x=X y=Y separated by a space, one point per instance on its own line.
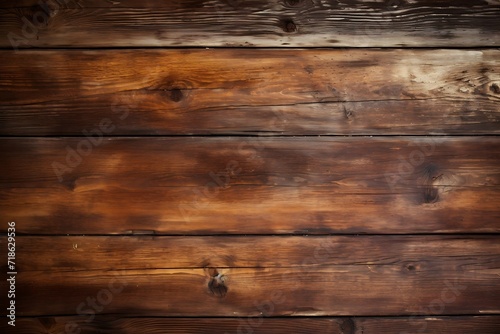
x=256 y=135
x=395 y=316
x=471 y=234
x=96 y=48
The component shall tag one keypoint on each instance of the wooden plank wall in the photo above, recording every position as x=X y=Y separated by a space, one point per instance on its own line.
x=234 y=166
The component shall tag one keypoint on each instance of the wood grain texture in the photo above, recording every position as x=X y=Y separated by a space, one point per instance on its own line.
x=284 y=276
x=235 y=91
x=345 y=325
x=341 y=290
x=258 y=222
x=237 y=185
x=277 y=23
x=89 y=253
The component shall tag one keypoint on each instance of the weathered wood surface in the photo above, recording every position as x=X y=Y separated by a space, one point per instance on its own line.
x=236 y=185
x=71 y=195
x=277 y=23
x=235 y=91
x=101 y=253
x=344 y=325
x=335 y=276
x=452 y=288
x=282 y=276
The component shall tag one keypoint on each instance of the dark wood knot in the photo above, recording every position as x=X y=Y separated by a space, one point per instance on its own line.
x=293 y=3
x=176 y=95
x=217 y=285
x=288 y=26
x=348 y=113
x=174 y=89
x=410 y=267
x=495 y=89
x=48 y=323
x=431 y=174
x=431 y=194
x=348 y=326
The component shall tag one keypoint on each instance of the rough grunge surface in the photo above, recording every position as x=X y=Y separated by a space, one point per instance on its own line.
x=247 y=166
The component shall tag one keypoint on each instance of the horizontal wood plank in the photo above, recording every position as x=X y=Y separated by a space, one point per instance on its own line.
x=87 y=253
x=276 y=23
x=234 y=91
x=433 y=275
x=284 y=276
x=341 y=290
x=435 y=324
x=344 y=325
x=236 y=185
